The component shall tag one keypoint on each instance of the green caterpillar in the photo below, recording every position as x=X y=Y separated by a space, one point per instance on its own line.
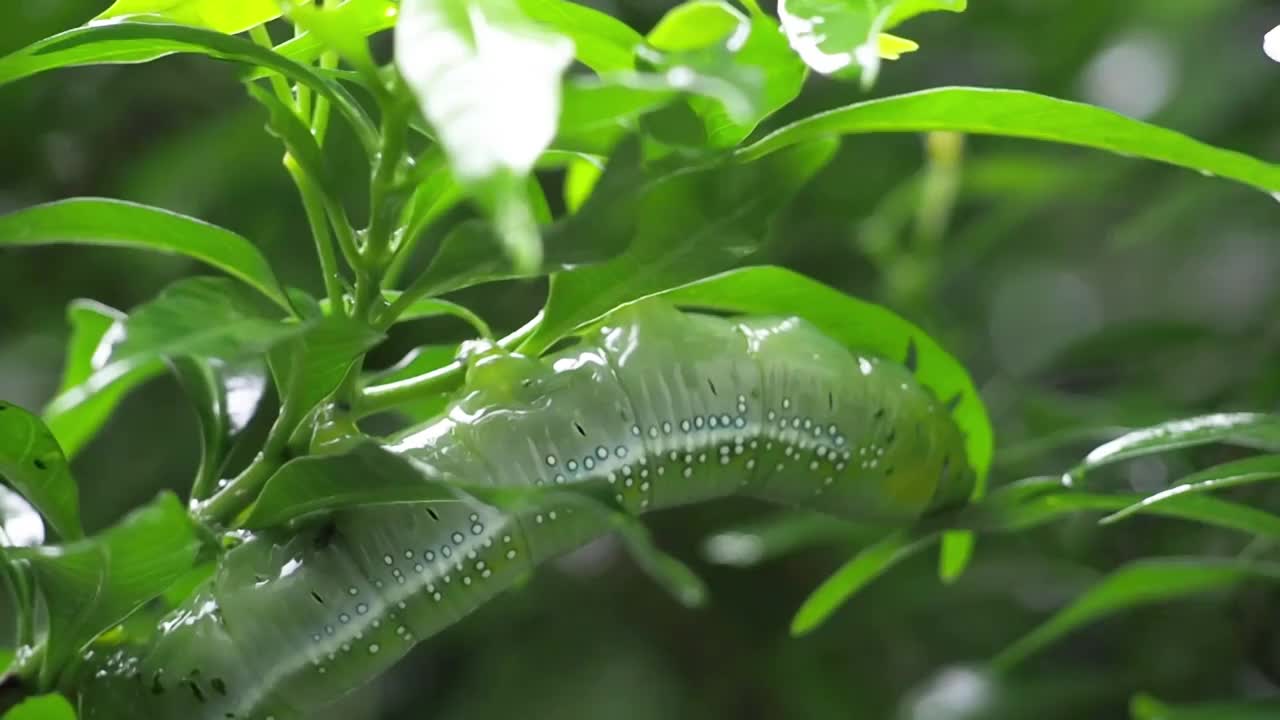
x=655 y=408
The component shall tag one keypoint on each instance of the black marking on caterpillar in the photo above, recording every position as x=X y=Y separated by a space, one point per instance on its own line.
x=658 y=409
x=911 y=361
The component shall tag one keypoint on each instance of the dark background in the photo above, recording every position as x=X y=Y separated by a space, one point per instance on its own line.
x=1084 y=291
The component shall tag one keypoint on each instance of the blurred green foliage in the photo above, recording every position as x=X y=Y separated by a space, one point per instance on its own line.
x=1085 y=292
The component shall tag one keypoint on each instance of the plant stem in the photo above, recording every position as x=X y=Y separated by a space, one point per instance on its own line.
x=383 y=214
x=260 y=36
x=313 y=204
x=223 y=507
x=320 y=118
x=380 y=398
x=301 y=93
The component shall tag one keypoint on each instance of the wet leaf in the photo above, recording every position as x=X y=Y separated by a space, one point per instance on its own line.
x=1226 y=475
x=32 y=462
x=90 y=585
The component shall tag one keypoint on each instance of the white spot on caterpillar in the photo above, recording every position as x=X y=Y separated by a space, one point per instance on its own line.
x=373 y=648
x=551 y=459
x=602 y=452
x=572 y=465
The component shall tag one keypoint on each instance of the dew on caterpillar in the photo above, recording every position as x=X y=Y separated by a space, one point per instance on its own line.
x=658 y=409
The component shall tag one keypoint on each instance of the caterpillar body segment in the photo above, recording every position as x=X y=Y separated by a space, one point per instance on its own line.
x=654 y=409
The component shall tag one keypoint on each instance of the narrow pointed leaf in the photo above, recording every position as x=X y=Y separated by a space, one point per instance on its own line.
x=1247 y=428
x=32 y=462
x=135 y=42
x=98 y=221
x=1032 y=503
x=1146 y=707
x=1144 y=582
x=1014 y=113
x=869 y=564
x=1232 y=474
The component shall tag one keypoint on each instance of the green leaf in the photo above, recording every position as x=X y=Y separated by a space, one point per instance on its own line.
x=44 y=707
x=359 y=19
x=598 y=112
x=331 y=25
x=869 y=564
x=33 y=463
x=487 y=79
x=695 y=25
x=1013 y=113
x=601 y=41
x=957 y=550
x=96 y=221
x=1144 y=582
x=367 y=475
x=1145 y=707
x=20 y=525
x=1244 y=428
x=310 y=367
x=226 y=17
x=901 y=11
x=858 y=325
x=136 y=42
x=91 y=585
x=1036 y=501
x=750 y=55
x=201 y=316
x=843 y=37
x=225 y=397
x=1232 y=474
x=472 y=253
x=80 y=408
x=688 y=225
